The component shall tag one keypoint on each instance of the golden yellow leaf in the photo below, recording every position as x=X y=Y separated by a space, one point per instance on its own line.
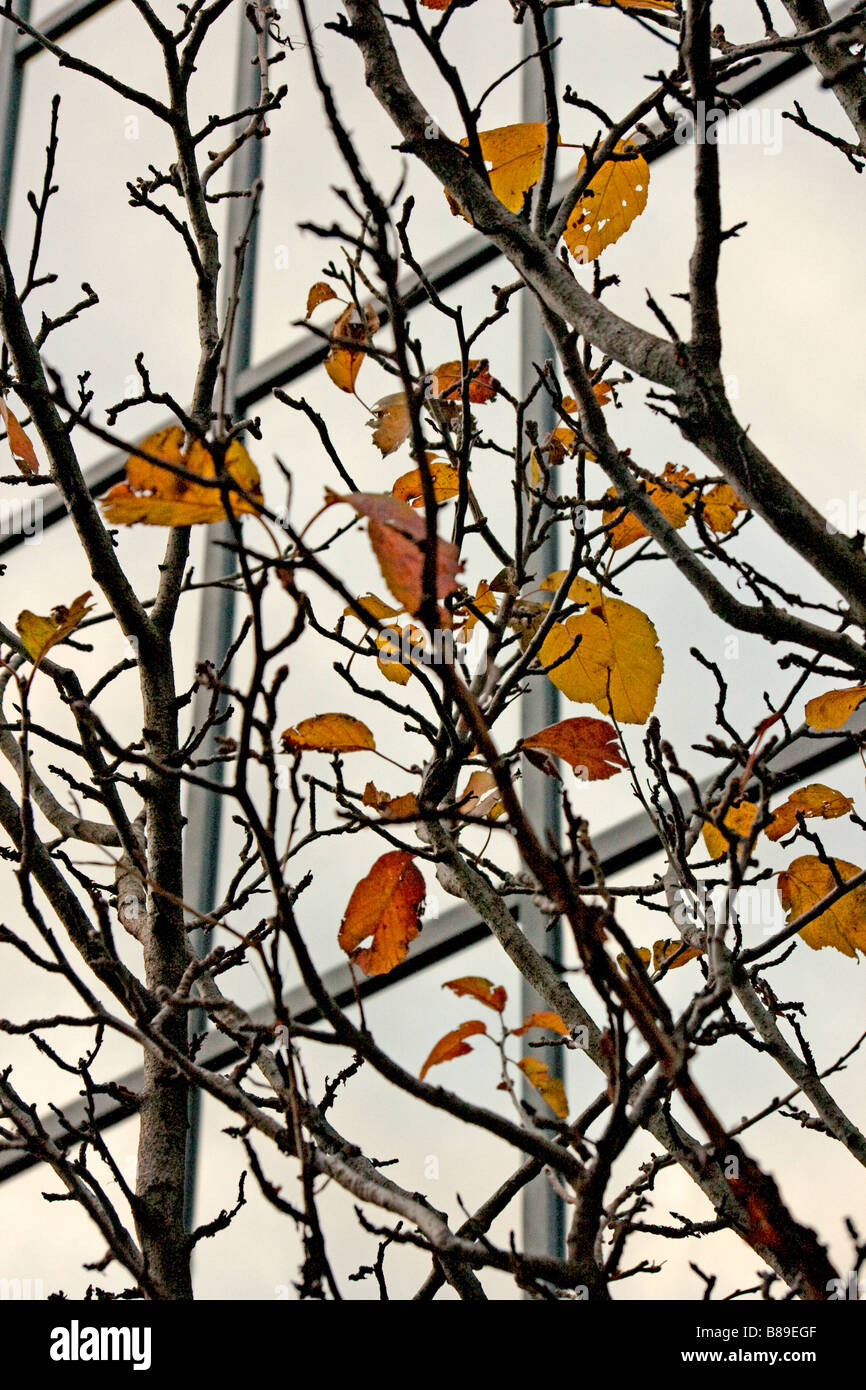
x=445 y=479
x=377 y=609
x=624 y=963
x=453 y=1045
x=834 y=709
x=39 y=634
x=550 y=1088
x=814 y=800
x=616 y=195
x=390 y=664
x=672 y=505
x=484 y=601
x=674 y=951
x=514 y=154
x=319 y=293
x=344 y=359
x=385 y=905
x=494 y=996
x=720 y=507
x=329 y=733
x=618 y=665
x=738 y=818
x=843 y=926
x=155 y=496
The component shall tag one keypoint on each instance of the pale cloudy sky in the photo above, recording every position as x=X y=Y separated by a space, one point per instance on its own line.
x=793 y=309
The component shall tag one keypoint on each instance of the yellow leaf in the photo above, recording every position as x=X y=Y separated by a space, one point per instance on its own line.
x=843 y=926
x=624 y=963
x=344 y=359
x=453 y=1045
x=389 y=661
x=814 y=800
x=445 y=479
x=386 y=906
x=484 y=601
x=616 y=195
x=329 y=733
x=157 y=497
x=377 y=609
x=550 y=1088
x=834 y=709
x=514 y=154
x=391 y=422
x=738 y=818
x=39 y=634
x=618 y=665
x=671 y=503
x=319 y=293
x=720 y=507
x=674 y=951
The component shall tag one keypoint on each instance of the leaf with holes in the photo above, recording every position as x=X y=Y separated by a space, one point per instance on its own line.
x=616 y=195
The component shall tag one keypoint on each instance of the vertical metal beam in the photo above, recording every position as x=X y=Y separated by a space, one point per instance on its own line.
x=11 y=75
x=217 y=611
x=543 y=1210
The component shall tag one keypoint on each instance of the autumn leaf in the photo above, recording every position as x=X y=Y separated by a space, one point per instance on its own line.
x=514 y=155
x=343 y=361
x=834 y=709
x=391 y=422
x=588 y=745
x=376 y=608
x=39 y=634
x=446 y=382
x=624 y=963
x=494 y=996
x=550 y=1088
x=20 y=447
x=738 y=818
x=390 y=659
x=386 y=906
x=156 y=497
x=445 y=479
x=616 y=195
x=544 y=1019
x=397 y=535
x=453 y=1045
x=843 y=926
x=672 y=504
x=667 y=5
x=319 y=293
x=390 y=807
x=675 y=953
x=481 y=797
x=719 y=508
x=813 y=800
x=618 y=665
x=329 y=733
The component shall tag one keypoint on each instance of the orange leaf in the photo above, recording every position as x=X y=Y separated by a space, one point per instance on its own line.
x=484 y=600
x=738 y=818
x=616 y=195
x=329 y=733
x=667 y=5
x=814 y=800
x=480 y=797
x=391 y=422
x=494 y=996
x=550 y=1088
x=39 y=635
x=156 y=497
x=446 y=382
x=319 y=293
x=834 y=709
x=397 y=535
x=445 y=479
x=843 y=926
x=453 y=1045
x=21 y=449
x=624 y=963
x=386 y=906
x=544 y=1019
x=343 y=361
x=588 y=745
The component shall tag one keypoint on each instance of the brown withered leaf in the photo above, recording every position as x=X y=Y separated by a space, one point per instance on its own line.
x=397 y=534
x=590 y=746
x=19 y=445
x=329 y=733
x=390 y=807
x=391 y=422
x=446 y=382
x=319 y=293
x=386 y=905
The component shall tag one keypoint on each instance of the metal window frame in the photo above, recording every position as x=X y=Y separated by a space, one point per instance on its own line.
x=621 y=847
